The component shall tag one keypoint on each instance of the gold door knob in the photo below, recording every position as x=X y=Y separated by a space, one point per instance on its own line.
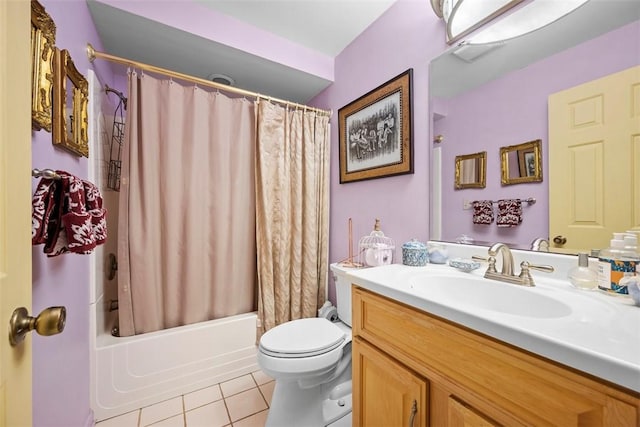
x=49 y=322
x=559 y=240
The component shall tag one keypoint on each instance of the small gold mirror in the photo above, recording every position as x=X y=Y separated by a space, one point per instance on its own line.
x=521 y=163
x=43 y=40
x=470 y=170
x=70 y=100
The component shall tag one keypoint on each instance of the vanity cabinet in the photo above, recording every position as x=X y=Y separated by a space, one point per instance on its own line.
x=395 y=395
x=459 y=377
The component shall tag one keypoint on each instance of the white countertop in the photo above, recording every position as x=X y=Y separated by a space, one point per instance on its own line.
x=595 y=333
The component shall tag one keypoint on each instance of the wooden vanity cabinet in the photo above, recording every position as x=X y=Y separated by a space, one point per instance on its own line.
x=459 y=377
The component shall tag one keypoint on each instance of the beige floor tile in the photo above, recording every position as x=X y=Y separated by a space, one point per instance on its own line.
x=261 y=377
x=267 y=391
x=211 y=415
x=130 y=419
x=256 y=420
x=160 y=411
x=236 y=385
x=246 y=403
x=176 y=421
x=202 y=397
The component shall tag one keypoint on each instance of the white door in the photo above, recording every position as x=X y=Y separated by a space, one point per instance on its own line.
x=15 y=207
x=594 y=160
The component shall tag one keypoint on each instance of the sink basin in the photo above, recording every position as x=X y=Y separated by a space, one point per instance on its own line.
x=486 y=294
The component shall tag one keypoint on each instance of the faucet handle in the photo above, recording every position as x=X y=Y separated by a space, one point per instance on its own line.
x=525 y=275
x=545 y=268
x=491 y=260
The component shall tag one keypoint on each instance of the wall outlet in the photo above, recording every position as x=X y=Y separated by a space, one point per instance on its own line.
x=466 y=204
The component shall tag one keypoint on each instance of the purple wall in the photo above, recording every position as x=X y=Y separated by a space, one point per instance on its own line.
x=61 y=363
x=513 y=110
x=408 y=35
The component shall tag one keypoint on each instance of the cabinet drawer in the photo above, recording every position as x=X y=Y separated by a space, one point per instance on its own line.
x=496 y=378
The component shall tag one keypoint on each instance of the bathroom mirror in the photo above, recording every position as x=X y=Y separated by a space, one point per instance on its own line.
x=470 y=170
x=521 y=163
x=70 y=101
x=500 y=98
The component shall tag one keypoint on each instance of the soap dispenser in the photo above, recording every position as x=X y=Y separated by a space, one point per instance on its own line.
x=581 y=276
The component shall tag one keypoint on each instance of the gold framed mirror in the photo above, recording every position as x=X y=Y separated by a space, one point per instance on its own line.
x=521 y=163
x=471 y=170
x=43 y=40
x=70 y=101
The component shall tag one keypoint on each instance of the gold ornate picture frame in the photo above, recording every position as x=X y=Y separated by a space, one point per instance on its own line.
x=43 y=40
x=70 y=103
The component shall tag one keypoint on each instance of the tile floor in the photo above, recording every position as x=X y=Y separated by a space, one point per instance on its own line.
x=240 y=402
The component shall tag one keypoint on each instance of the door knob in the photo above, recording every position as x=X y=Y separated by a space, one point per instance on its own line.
x=49 y=322
x=559 y=240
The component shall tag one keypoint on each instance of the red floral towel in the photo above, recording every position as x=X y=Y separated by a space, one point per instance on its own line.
x=68 y=216
x=509 y=213
x=482 y=212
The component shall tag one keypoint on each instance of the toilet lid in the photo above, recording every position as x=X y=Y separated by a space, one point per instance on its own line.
x=301 y=338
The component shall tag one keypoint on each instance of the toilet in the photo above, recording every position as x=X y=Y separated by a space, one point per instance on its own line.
x=310 y=360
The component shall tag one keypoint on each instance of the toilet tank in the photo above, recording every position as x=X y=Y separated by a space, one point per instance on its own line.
x=343 y=292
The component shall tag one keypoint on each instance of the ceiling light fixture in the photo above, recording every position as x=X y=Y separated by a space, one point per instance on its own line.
x=464 y=17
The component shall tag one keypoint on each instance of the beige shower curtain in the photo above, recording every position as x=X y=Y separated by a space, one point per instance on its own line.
x=292 y=212
x=186 y=247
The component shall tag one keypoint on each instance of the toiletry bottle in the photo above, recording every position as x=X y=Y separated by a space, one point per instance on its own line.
x=614 y=263
x=631 y=242
x=581 y=276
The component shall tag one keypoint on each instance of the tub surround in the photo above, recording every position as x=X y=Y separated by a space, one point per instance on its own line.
x=596 y=334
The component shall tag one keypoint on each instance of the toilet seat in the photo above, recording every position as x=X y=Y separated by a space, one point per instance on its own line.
x=302 y=338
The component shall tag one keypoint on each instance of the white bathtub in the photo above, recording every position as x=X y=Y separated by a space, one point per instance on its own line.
x=132 y=372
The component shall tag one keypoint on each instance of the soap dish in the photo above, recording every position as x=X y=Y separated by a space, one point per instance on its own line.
x=464 y=264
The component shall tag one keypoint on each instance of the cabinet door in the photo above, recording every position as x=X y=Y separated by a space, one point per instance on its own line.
x=386 y=393
x=461 y=415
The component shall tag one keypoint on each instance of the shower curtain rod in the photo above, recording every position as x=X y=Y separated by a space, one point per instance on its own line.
x=92 y=54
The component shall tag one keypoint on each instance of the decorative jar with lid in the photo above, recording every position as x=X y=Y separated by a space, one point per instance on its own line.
x=415 y=253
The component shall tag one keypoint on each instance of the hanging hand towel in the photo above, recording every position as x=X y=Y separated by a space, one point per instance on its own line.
x=482 y=212
x=68 y=216
x=43 y=204
x=509 y=213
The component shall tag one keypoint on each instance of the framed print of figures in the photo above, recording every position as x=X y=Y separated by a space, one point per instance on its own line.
x=376 y=132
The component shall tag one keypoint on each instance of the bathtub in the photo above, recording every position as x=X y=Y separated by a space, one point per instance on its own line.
x=132 y=372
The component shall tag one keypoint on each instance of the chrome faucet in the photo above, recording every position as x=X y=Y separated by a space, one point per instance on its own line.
x=507 y=258
x=506 y=274
x=540 y=244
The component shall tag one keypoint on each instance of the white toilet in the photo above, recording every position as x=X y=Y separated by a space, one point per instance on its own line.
x=310 y=360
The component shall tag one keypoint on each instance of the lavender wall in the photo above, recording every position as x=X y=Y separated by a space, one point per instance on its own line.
x=512 y=110
x=61 y=362
x=408 y=35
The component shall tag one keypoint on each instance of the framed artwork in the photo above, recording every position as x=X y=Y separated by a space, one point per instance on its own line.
x=43 y=40
x=527 y=163
x=376 y=132
x=70 y=101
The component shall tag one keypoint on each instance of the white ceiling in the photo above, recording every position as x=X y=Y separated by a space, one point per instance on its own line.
x=325 y=26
